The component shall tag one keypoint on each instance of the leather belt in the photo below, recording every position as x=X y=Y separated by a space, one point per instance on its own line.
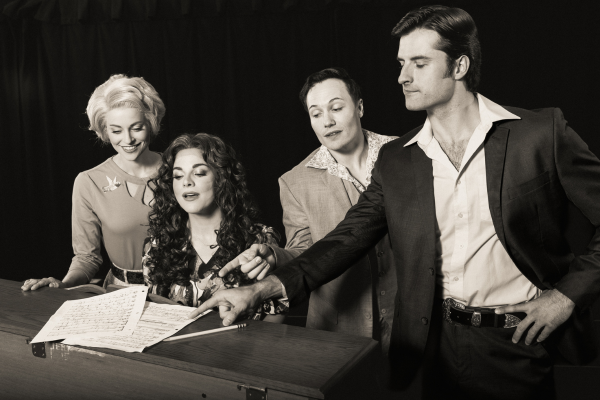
x=130 y=276
x=458 y=313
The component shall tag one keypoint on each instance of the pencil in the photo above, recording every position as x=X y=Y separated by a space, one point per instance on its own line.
x=189 y=335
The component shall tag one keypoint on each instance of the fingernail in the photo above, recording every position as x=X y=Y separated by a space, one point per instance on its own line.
x=257 y=259
x=226 y=322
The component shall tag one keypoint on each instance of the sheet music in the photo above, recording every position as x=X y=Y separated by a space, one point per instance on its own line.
x=116 y=313
x=158 y=322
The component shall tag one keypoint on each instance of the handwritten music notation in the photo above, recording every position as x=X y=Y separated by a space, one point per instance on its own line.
x=113 y=313
x=158 y=322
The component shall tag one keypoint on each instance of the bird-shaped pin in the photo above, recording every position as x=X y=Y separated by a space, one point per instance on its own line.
x=113 y=184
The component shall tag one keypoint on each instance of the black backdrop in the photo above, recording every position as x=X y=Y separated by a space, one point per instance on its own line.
x=234 y=68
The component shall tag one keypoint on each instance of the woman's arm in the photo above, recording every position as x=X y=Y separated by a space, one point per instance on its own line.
x=86 y=231
x=86 y=239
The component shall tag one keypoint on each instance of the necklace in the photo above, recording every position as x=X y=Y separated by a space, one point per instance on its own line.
x=212 y=246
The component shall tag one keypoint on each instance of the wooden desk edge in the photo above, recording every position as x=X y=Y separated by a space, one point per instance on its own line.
x=338 y=376
x=240 y=378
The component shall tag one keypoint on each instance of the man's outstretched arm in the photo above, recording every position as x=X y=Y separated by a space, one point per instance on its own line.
x=364 y=225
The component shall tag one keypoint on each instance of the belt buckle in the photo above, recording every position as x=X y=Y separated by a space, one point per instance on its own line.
x=447 y=305
x=476 y=319
x=511 y=321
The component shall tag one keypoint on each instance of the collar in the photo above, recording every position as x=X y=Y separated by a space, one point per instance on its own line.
x=489 y=112
x=324 y=160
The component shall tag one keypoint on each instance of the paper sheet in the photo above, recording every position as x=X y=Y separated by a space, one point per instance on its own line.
x=114 y=313
x=158 y=322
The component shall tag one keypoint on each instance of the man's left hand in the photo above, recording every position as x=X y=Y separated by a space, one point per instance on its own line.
x=544 y=315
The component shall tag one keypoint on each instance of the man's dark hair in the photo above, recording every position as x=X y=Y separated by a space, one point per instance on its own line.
x=458 y=36
x=330 y=73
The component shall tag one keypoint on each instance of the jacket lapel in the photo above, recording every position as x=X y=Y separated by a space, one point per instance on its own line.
x=337 y=190
x=495 y=154
x=423 y=173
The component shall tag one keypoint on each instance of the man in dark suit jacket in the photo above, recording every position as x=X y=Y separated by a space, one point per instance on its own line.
x=475 y=203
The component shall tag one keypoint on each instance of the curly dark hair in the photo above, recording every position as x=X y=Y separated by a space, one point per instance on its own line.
x=172 y=252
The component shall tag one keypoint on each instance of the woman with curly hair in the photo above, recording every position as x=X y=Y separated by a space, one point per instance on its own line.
x=202 y=217
x=111 y=201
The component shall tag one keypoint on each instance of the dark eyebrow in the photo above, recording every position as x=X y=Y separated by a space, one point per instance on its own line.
x=335 y=98
x=195 y=166
x=415 y=58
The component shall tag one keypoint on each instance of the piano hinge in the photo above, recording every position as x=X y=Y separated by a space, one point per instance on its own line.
x=39 y=349
x=253 y=393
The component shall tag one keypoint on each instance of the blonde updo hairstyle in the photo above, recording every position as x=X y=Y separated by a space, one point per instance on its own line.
x=121 y=91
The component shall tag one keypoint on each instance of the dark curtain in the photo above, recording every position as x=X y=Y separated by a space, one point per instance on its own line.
x=234 y=68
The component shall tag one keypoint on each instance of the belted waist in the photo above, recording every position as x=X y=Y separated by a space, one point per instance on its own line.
x=135 y=277
x=457 y=313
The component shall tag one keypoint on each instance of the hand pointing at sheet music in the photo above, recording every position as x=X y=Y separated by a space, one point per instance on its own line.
x=242 y=301
x=256 y=262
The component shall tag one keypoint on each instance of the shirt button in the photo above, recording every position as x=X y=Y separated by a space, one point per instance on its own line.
x=367 y=316
x=431 y=271
x=383 y=311
x=456 y=278
x=460 y=215
x=458 y=182
x=424 y=321
x=383 y=292
x=380 y=254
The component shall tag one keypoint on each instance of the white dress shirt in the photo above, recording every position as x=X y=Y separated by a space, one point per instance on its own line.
x=472 y=265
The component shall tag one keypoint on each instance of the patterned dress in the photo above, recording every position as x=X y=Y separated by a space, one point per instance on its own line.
x=205 y=280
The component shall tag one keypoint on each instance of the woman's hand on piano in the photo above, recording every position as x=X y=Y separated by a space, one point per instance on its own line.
x=33 y=284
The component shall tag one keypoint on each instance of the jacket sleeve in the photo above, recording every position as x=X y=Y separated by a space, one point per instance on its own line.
x=296 y=226
x=364 y=225
x=579 y=173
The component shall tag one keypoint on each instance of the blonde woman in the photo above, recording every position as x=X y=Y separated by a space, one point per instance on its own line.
x=111 y=201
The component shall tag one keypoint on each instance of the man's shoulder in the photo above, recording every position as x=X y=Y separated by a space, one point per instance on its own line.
x=535 y=127
x=537 y=117
x=398 y=144
x=301 y=171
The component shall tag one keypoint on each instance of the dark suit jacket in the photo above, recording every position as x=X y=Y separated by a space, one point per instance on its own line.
x=534 y=167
